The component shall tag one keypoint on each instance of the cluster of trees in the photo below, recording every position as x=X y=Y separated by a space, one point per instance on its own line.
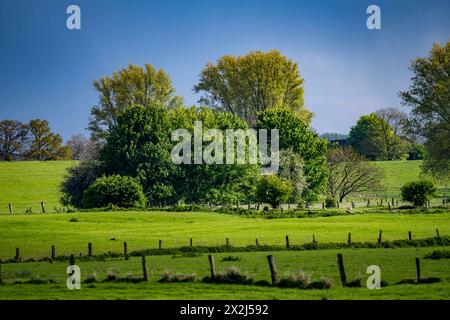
x=31 y=141
x=138 y=110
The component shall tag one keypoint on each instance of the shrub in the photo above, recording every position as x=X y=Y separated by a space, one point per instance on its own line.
x=77 y=180
x=122 y=191
x=418 y=192
x=299 y=280
x=273 y=190
x=167 y=277
x=230 y=258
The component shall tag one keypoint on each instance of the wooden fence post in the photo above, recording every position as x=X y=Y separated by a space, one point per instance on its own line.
x=342 y=269
x=380 y=236
x=72 y=260
x=314 y=239
x=418 y=269
x=125 y=250
x=323 y=205
x=10 y=208
x=257 y=243
x=212 y=265
x=227 y=240
x=349 y=240
x=190 y=242
x=89 y=249
x=437 y=233
x=273 y=269
x=287 y=242
x=144 y=269
x=160 y=244
x=17 y=257
x=409 y=236
x=43 y=206
x=53 y=252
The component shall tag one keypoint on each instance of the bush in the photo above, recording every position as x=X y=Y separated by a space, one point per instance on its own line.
x=232 y=275
x=121 y=191
x=273 y=190
x=177 y=277
x=438 y=254
x=330 y=203
x=77 y=180
x=418 y=192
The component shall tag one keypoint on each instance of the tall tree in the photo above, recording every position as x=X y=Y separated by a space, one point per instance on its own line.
x=46 y=145
x=78 y=144
x=429 y=99
x=349 y=173
x=375 y=139
x=296 y=135
x=14 y=136
x=130 y=86
x=246 y=85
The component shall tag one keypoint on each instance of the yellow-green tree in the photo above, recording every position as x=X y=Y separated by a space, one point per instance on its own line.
x=245 y=85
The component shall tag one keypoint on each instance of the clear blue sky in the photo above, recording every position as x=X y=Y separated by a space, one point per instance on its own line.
x=46 y=70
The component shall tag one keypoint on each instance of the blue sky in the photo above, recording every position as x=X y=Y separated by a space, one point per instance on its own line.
x=46 y=70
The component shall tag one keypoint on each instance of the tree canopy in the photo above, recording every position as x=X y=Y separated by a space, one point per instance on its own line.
x=246 y=85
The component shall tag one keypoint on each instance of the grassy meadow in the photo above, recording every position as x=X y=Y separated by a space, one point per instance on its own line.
x=26 y=184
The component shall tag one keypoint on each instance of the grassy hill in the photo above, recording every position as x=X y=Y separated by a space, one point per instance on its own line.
x=26 y=184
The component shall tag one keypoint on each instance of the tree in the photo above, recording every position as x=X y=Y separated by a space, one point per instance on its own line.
x=246 y=85
x=375 y=139
x=418 y=192
x=214 y=183
x=14 y=136
x=130 y=86
x=429 y=99
x=349 y=173
x=273 y=190
x=121 y=191
x=78 y=179
x=291 y=169
x=78 y=144
x=45 y=145
x=139 y=146
x=416 y=152
x=394 y=146
x=396 y=119
x=296 y=135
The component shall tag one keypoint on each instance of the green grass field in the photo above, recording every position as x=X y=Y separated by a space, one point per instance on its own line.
x=26 y=184
x=395 y=265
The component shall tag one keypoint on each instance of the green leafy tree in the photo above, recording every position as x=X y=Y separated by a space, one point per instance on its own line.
x=130 y=86
x=139 y=146
x=14 y=136
x=273 y=190
x=121 y=191
x=246 y=85
x=46 y=145
x=416 y=152
x=418 y=192
x=429 y=99
x=296 y=135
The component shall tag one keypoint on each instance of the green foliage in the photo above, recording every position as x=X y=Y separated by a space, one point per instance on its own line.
x=438 y=254
x=139 y=146
x=416 y=152
x=130 y=86
x=258 y=81
x=330 y=202
x=122 y=191
x=418 y=192
x=296 y=135
x=273 y=190
x=291 y=169
x=77 y=180
x=216 y=183
x=429 y=100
